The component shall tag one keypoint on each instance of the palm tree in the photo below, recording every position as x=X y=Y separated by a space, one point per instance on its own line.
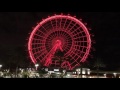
x=98 y=64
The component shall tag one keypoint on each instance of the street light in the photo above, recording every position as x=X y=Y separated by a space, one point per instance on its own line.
x=36 y=66
x=0 y=66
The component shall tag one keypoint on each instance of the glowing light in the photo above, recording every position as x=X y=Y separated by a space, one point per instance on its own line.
x=64 y=71
x=83 y=76
x=56 y=69
x=105 y=75
x=88 y=71
x=0 y=66
x=36 y=65
x=114 y=74
x=46 y=69
x=83 y=72
x=77 y=69
x=68 y=75
x=63 y=32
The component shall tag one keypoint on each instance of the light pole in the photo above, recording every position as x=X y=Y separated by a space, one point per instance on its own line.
x=36 y=66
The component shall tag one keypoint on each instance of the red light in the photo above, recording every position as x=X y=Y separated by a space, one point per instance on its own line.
x=63 y=32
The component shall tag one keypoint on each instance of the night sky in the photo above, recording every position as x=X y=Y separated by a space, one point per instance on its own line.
x=15 y=26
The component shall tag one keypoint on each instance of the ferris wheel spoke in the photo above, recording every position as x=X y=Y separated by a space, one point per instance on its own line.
x=79 y=37
x=67 y=49
x=72 y=27
x=38 y=36
x=68 y=25
x=75 y=62
x=36 y=39
x=78 y=28
x=41 y=55
x=60 y=22
x=38 y=44
x=64 y=23
x=57 y=34
x=56 y=23
x=51 y=24
x=44 y=28
x=80 y=42
x=80 y=46
x=38 y=48
x=43 y=50
x=42 y=33
x=73 y=54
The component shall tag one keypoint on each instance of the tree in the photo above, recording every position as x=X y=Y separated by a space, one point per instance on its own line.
x=98 y=64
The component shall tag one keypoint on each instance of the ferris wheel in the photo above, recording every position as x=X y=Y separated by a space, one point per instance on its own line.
x=62 y=33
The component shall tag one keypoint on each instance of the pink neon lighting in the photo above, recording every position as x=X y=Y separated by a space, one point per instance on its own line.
x=52 y=52
x=63 y=32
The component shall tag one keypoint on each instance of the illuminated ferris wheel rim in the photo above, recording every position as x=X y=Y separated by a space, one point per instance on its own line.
x=55 y=17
